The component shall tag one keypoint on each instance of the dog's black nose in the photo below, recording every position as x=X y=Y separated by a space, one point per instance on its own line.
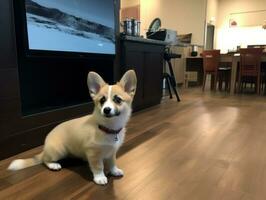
x=107 y=110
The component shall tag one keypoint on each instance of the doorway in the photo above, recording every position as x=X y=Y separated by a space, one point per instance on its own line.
x=210 y=37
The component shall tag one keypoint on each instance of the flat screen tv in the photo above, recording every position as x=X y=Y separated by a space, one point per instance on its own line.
x=69 y=26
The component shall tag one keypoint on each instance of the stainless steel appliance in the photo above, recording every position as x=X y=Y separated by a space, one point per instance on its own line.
x=127 y=26
x=157 y=33
x=131 y=27
x=135 y=25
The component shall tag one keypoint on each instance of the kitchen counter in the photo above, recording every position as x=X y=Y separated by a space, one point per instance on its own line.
x=143 y=40
x=152 y=41
x=146 y=57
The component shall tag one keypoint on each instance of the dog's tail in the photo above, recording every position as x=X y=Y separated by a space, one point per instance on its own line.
x=24 y=163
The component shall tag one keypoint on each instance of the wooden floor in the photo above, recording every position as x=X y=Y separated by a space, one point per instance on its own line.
x=205 y=147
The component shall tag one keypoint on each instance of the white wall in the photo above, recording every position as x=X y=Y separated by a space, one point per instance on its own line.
x=184 y=16
x=248 y=30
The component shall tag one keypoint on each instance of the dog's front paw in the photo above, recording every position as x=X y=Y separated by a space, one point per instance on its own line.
x=116 y=172
x=100 y=179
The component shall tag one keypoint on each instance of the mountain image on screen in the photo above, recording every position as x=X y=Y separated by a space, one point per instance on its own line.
x=84 y=26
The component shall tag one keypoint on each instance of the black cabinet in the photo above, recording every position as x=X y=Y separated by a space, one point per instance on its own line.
x=146 y=59
x=195 y=64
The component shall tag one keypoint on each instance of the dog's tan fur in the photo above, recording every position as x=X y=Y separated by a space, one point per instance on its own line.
x=82 y=138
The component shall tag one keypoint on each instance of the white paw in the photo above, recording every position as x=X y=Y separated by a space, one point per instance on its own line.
x=54 y=166
x=116 y=172
x=16 y=165
x=100 y=179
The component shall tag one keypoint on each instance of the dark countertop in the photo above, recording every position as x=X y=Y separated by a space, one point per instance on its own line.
x=142 y=40
x=194 y=57
x=151 y=41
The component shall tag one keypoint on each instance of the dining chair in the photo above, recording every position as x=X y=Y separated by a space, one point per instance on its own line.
x=211 y=65
x=263 y=78
x=250 y=67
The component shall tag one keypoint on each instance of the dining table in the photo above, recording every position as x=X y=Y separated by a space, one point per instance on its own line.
x=234 y=58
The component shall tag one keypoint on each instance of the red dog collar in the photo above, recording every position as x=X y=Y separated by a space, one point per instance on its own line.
x=109 y=131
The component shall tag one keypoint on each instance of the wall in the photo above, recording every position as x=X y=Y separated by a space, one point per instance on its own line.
x=185 y=16
x=129 y=9
x=212 y=8
x=249 y=29
x=129 y=3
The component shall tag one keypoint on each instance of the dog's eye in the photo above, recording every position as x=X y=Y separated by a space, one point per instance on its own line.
x=117 y=99
x=102 y=100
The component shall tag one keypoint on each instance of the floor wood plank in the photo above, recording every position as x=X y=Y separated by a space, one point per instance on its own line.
x=208 y=146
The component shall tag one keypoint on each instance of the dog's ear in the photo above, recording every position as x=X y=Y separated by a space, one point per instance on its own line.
x=95 y=83
x=129 y=82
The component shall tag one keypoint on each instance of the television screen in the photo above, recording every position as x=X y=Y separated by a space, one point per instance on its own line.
x=83 y=26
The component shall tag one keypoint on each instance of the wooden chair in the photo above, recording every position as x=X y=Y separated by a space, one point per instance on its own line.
x=211 y=59
x=263 y=78
x=250 y=67
x=211 y=65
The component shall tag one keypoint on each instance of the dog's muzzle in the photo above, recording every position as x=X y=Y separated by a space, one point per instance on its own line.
x=107 y=113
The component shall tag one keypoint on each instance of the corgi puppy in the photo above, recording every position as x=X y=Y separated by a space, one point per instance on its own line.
x=94 y=138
